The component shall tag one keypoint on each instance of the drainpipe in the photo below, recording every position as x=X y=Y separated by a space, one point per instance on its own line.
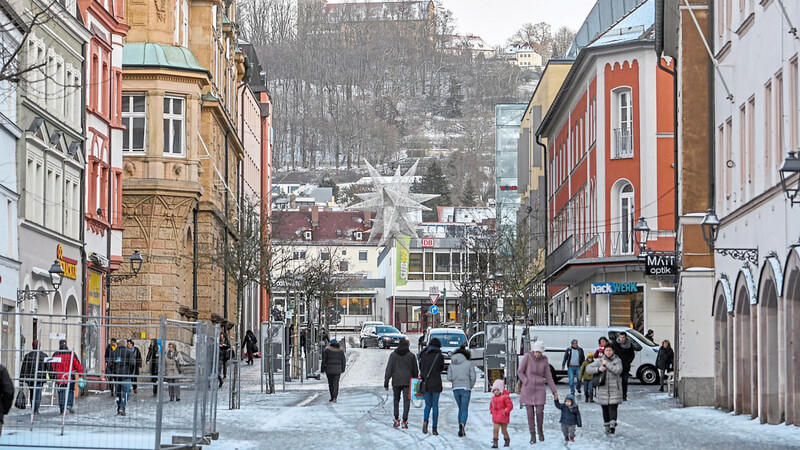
x=225 y=281
x=194 y=253
x=544 y=166
x=110 y=181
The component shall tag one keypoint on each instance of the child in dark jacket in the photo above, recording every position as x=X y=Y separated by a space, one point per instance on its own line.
x=570 y=417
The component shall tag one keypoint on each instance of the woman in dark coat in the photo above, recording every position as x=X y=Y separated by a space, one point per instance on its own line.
x=333 y=364
x=224 y=356
x=431 y=365
x=152 y=359
x=664 y=361
x=249 y=343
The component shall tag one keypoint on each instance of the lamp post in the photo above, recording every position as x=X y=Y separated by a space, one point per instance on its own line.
x=643 y=232
x=710 y=227
x=56 y=272
x=136 y=262
x=295 y=322
x=791 y=167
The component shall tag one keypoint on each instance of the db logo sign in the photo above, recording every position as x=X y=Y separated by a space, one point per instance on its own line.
x=428 y=243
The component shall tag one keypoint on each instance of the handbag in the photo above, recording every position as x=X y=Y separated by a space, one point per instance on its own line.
x=599 y=379
x=518 y=387
x=422 y=387
x=21 y=402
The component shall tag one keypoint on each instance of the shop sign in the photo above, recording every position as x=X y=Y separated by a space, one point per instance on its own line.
x=660 y=264
x=428 y=243
x=68 y=265
x=95 y=289
x=614 y=288
x=401 y=277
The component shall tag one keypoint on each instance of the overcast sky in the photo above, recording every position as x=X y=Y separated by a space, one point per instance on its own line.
x=497 y=20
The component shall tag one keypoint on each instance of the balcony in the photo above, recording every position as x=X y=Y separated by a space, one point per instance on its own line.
x=623 y=143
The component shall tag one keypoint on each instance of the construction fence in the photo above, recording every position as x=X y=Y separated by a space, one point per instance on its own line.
x=156 y=389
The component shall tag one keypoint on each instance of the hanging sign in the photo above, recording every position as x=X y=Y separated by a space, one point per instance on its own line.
x=68 y=265
x=660 y=264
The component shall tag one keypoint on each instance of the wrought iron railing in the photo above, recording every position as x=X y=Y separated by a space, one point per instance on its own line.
x=623 y=143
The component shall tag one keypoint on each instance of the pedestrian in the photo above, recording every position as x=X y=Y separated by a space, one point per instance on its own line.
x=66 y=367
x=602 y=343
x=534 y=372
x=461 y=373
x=334 y=362
x=421 y=343
x=6 y=394
x=250 y=344
x=664 y=361
x=172 y=371
x=325 y=339
x=123 y=366
x=586 y=378
x=650 y=335
x=608 y=388
x=431 y=365
x=152 y=359
x=401 y=368
x=570 y=417
x=224 y=356
x=34 y=373
x=624 y=349
x=500 y=406
x=573 y=359
x=137 y=364
x=112 y=345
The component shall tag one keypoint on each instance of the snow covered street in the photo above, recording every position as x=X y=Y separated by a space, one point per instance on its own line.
x=302 y=417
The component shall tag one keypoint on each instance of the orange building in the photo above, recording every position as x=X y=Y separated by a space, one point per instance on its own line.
x=610 y=136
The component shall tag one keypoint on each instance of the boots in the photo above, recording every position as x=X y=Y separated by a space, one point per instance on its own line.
x=494 y=443
x=507 y=442
x=607 y=426
x=461 y=430
x=434 y=432
x=541 y=434
x=533 y=437
x=425 y=427
x=613 y=426
x=396 y=423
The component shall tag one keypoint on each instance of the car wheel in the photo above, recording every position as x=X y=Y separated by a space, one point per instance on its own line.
x=381 y=345
x=363 y=344
x=553 y=374
x=648 y=375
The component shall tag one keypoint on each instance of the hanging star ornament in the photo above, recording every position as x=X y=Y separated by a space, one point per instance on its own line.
x=393 y=204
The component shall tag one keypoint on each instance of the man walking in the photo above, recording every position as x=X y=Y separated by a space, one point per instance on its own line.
x=123 y=362
x=573 y=358
x=111 y=347
x=66 y=366
x=34 y=373
x=626 y=352
x=402 y=367
x=137 y=363
x=333 y=365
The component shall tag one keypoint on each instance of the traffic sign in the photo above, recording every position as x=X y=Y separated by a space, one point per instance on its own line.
x=433 y=298
x=434 y=309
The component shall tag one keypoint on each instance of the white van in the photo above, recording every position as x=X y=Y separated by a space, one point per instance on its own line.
x=557 y=338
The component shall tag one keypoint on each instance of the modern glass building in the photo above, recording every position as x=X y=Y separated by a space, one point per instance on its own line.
x=507 y=121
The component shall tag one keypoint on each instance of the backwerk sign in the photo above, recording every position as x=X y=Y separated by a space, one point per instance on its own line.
x=614 y=288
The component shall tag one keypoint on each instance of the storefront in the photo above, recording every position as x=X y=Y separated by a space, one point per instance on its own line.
x=413 y=314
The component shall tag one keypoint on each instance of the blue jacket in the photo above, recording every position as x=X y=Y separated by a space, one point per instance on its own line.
x=570 y=415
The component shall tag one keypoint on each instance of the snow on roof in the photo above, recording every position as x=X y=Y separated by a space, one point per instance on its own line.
x=632 y=27
x=472 y=42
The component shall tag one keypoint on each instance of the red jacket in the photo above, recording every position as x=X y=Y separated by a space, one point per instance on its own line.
x=500 y=407
x=60 y=363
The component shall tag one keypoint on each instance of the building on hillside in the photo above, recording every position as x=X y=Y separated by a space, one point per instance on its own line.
x=466 y=44
x=756 y=305
x=313 y=236
x=610 y=152
x=50 y=169
x=103 y=172
x=523 y=55
x=14 y=31
x=532 y=212
x=182 y=160
x=507 y=121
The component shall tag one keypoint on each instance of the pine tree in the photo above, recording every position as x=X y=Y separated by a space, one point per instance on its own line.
x=433 y=181
x=469 y=195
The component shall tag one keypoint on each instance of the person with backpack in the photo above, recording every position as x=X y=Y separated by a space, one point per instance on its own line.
x=402 y=367
x=431 y=365
x=123 y=362
x=461 y=373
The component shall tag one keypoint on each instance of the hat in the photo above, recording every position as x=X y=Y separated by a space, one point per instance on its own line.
x=570 y=397
x=589 y=355
x=499 y=385
x=538 y=346
x=333 y=341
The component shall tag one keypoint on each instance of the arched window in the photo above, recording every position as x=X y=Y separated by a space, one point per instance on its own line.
x=623 y=218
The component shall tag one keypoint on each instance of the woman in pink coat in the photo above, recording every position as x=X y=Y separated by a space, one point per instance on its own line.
x=533 y=371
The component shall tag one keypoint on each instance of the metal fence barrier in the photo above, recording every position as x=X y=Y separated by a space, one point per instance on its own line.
x=80 y=392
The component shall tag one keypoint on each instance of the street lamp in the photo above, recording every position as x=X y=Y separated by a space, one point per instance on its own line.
x=136 y=262
x=791 y=166
x=56 y=273
x=643 y=232
x=710 y=227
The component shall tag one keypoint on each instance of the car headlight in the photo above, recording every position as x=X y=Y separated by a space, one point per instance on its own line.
x=387 y=338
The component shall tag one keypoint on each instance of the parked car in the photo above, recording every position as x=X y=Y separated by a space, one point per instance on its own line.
x=366 y=325
x=558 y=338
x=450 y=338
x=382 y=336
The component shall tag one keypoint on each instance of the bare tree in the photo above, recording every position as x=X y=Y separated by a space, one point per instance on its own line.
x=562 y=40
x=538 y=35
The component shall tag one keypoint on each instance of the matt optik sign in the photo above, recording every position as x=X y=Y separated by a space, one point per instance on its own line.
x=656 y=264
x=614 y=288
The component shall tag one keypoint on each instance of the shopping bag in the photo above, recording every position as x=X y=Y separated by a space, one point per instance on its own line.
x=417 y=388
x=21 y=402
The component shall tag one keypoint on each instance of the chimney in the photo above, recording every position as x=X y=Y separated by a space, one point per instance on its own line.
x=315 y=216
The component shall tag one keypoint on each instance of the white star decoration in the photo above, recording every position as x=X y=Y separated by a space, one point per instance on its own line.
x=392 y=202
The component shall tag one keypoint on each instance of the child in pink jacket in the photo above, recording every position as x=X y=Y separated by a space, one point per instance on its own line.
x=500 y=407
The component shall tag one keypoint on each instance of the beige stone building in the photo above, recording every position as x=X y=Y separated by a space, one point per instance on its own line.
x=182 y=157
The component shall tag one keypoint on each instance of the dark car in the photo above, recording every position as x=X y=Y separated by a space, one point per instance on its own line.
x=382 y=336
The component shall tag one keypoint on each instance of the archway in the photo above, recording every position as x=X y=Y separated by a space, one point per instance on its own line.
x=723 y=362
x=73 y=324
x=791 y=307
x=743 y=368
x=770 y=402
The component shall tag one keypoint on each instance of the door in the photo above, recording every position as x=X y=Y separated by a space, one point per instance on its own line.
x=476 y=347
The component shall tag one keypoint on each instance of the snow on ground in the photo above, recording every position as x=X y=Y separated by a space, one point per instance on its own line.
x=302 y=417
